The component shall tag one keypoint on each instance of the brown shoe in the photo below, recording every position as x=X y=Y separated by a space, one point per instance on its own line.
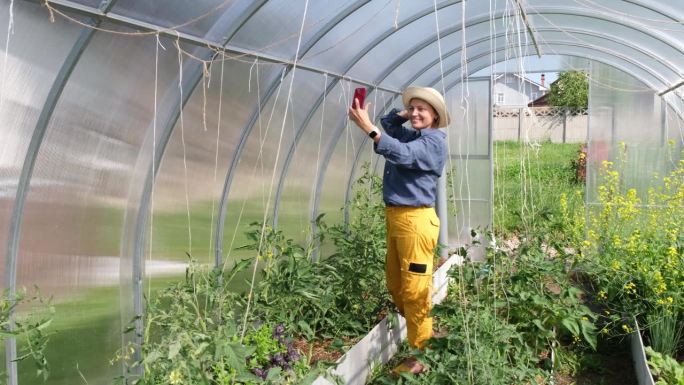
x=409 y=365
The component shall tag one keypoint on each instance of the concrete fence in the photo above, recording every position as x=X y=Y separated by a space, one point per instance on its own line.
x=526 y=124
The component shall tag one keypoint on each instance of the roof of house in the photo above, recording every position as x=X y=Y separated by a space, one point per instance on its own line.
x=497 y=77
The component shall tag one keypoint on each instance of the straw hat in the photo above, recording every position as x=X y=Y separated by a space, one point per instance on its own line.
x=433 y=98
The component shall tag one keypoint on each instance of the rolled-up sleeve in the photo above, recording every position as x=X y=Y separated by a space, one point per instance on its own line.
x=392 y=124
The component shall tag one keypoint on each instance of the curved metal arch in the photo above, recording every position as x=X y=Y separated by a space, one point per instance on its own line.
x=140 y=225
x=391 y=31
x=365 y=51
x=330 y=149
x=308 y=46
x=352 y=62
x=253 y=8
x=486 y=18
x=220 y=225
x=563 y=43
x=454 y=51
x=398 y=62
x=433 y=64
x=293 y=146
x=23 y=185
x=453 y=84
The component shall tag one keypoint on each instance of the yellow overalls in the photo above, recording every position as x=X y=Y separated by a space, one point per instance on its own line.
x=412 y=234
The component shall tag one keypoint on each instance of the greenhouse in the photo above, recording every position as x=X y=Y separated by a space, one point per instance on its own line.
x=188 y=198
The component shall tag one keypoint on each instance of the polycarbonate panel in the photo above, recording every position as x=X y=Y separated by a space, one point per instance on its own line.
x=89 y=3
x=573 y=51
x=394 y=46
x=295 y=213
x=664 y=17
x=84 y=182
x=348 y=143
x=36 y=51
x=355 y=32
x=253 y=190
x=275 y=28
x=469 y=132
x=626 y=127
x=189 y=184
x=429 y=58
x=469 y=183
x=552 y=26
x=207 y=18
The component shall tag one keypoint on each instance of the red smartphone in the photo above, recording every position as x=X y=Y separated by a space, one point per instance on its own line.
x=359 y=93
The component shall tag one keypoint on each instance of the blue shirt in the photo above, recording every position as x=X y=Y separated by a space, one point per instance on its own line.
x=414 y=159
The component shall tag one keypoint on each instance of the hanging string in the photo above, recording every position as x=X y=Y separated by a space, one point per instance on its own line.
x=52 y=10
x=218 y=139
x=548 y=47
x=320 y=134
x=174 y=29
x=182 y=125
x=10 y=31
x=397 y=4
x=206 y=76
x=154 y=153
x=275 y=167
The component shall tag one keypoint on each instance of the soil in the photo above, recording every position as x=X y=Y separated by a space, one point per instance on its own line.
x=611 y=364
x=319 y=350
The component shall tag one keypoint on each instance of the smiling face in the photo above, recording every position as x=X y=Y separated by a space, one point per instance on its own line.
x=421 y=114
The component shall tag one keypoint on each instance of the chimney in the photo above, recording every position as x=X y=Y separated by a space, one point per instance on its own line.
x=543 y=77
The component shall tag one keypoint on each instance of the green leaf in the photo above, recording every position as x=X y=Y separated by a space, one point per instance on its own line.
x=152 y=357
x=273 y=374
x=589 y=332
x=571 y=325
x=306 y=329
x=538 y=323
x=174 y=349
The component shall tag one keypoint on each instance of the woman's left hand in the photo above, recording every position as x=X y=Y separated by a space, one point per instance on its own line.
x=360 y=116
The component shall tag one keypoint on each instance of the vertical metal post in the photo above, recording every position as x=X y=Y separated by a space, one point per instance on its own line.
x=520 y=112
x=442 y=213
x=565 y=122
x=663 y=123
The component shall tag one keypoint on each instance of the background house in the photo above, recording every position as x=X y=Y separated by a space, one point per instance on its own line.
x=513 y=90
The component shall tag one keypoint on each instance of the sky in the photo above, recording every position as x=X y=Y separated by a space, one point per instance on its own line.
x=534 y=66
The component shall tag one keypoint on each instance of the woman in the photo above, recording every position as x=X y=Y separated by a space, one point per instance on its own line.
x=414 y=160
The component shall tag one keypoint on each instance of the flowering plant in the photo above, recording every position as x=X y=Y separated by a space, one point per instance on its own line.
x=634 y=247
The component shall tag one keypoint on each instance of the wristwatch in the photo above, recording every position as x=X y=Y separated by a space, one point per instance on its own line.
x=373 y=133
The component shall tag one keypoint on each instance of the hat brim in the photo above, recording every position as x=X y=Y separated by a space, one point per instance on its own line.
x=433 y=98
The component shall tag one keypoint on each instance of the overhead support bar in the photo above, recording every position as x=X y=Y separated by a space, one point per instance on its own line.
x=69 y=6
x=530 y=31
x=674 y=87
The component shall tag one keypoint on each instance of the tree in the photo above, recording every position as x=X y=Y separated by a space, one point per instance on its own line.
x=570 y=90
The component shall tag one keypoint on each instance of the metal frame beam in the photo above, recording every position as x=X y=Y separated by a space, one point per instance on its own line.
x=23 y=185
x=195 y=76
x=306 y=47
x=379 y=39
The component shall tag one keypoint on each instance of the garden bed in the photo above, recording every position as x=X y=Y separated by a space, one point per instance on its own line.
x=643 y=372
x=384 y=340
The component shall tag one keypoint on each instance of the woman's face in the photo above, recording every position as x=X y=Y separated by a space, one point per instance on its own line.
x=421 y=114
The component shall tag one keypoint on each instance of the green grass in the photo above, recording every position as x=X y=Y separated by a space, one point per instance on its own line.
x=528 y=183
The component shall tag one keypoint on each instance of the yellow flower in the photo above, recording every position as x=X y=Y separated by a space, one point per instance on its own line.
x=672 y=251
x=602 y=295
x=626 y=328
x=175 y=377
x=630 y=288
x=585 y=319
